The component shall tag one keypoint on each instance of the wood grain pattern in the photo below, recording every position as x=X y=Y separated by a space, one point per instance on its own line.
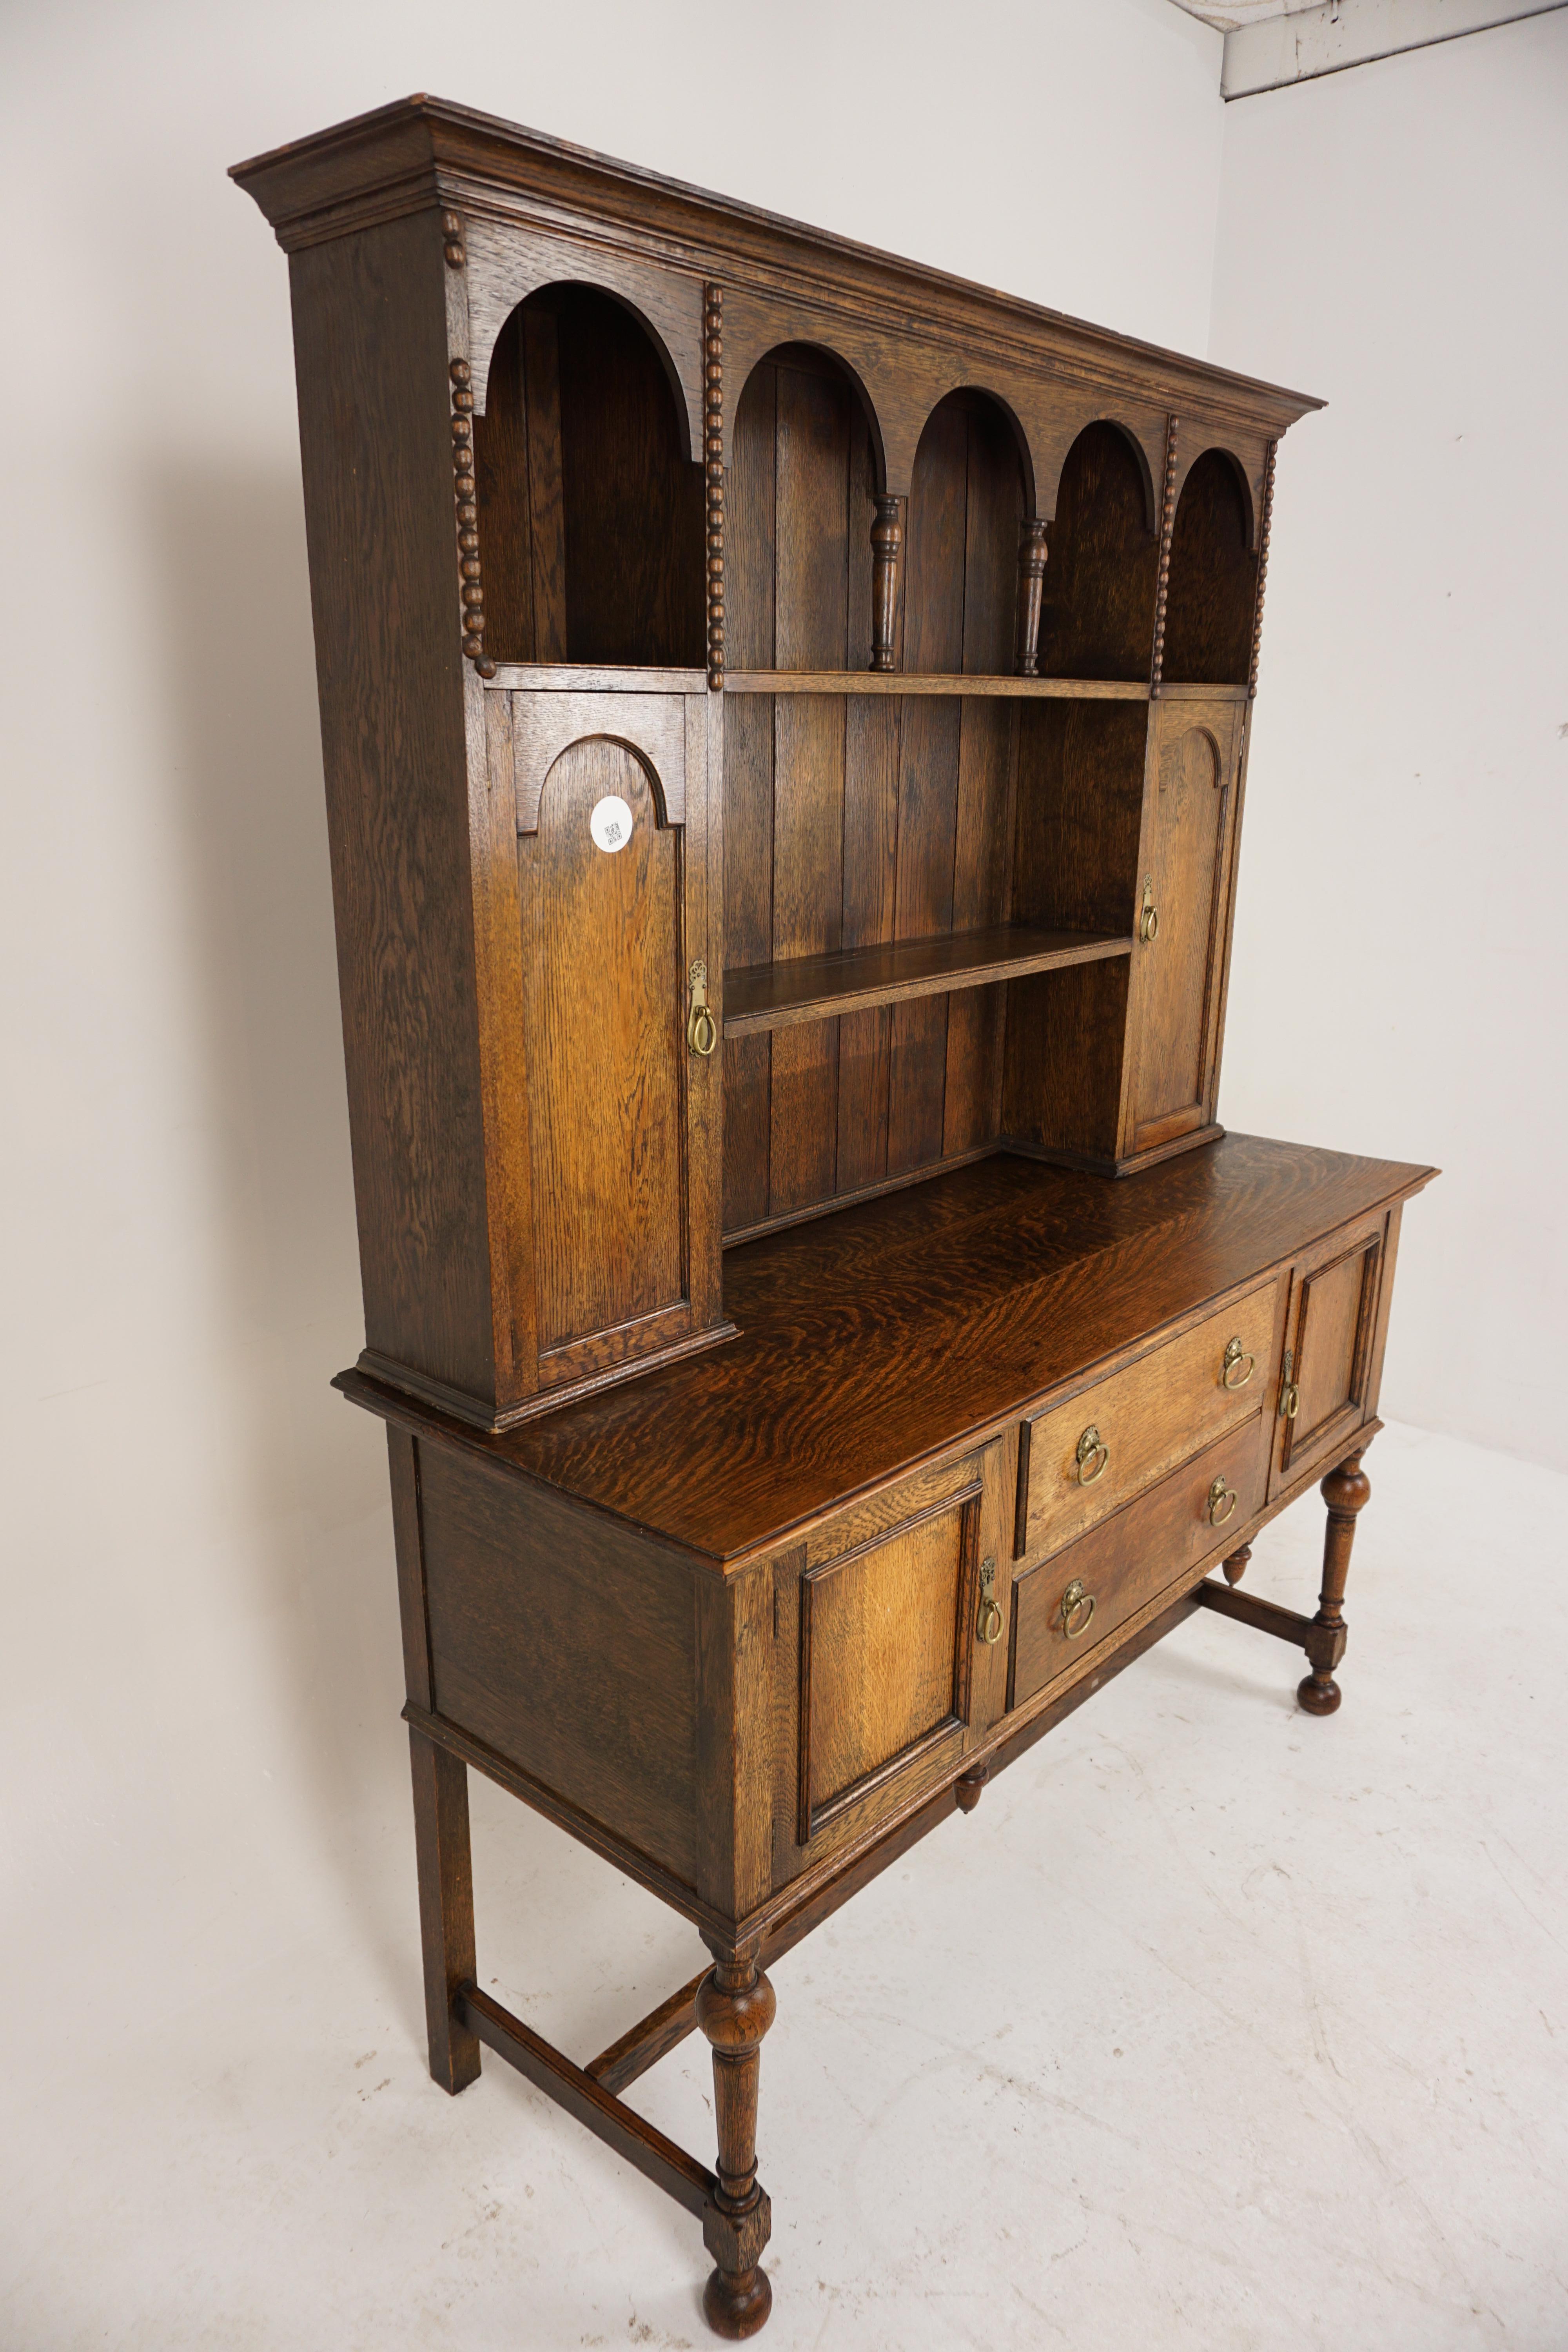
x=906 y=683
x=1147 y=1417
x=1078 y=812
x=1214 y=577
x=1099 y=587
x=602 y=946
x=721 y=1623
x=369 y=335
x=882 y=1336
x=544 y=725
x=1158 y=1542
x=1332 y=1323
x=810 y=987
x=446 y=1878
x=1176 y=971
x=523 y=1593
x=883 y=1649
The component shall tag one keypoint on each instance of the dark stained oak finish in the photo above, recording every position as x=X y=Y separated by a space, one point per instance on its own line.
x=813 y=988
x=897 y=1329
x=785 y=717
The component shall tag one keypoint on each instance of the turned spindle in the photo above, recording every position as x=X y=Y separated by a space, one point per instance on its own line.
x=886 y=550
x=1032 y=554
x=1345 y=1491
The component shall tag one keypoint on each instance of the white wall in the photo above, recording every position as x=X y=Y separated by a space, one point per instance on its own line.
x=1396 y=239
x=204 y=1678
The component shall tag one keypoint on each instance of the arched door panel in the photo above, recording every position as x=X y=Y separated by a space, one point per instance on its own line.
x=1179 y=951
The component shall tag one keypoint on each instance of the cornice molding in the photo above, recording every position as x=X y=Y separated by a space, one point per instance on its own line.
x=425 y=152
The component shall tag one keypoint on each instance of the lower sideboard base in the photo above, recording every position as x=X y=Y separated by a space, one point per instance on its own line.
x=732 y=2001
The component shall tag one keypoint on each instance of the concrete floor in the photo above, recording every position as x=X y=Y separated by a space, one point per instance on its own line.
x=1214 y=2026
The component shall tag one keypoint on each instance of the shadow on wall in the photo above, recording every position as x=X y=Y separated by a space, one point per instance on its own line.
x=229 y=557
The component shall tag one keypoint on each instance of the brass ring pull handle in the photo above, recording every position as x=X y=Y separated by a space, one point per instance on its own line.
x=1223 y=1500
x=701 y=1029
x=1235 y=1355
x=1290 y=1394
x=1093 y=1454
x=1149 y=914
x=1073 y=1600
x=988 y=1625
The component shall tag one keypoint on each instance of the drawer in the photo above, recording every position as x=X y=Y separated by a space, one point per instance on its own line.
x=892 y=1678
x=1163 y=1539
x=1081 y=1459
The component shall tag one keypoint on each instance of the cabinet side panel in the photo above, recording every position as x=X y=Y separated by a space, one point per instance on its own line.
x=569 y=1645
x=370 y=341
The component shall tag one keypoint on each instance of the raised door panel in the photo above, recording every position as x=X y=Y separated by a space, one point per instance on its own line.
x=612 y=904
x=892 y=1673
x=1326 y=1378
x=1180 y=952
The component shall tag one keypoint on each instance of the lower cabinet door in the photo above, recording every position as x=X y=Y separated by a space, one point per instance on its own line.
x=1066 y=1608
x=1326 y=1378
x=900 y=1652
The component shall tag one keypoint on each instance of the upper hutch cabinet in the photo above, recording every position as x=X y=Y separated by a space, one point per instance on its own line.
x=780 y=745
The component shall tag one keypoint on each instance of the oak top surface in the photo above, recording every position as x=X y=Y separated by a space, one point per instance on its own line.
x=422 y=147
x=874 y=1338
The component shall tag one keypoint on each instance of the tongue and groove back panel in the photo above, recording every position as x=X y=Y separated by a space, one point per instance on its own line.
x=851 y=821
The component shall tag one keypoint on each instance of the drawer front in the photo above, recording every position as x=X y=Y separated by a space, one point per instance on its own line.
x=892 y=1674
x=1067 y=1608
x=1083 y=1459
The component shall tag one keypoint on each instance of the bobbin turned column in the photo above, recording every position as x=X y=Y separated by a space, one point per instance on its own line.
x=734 y=2010
x=1346 y=1491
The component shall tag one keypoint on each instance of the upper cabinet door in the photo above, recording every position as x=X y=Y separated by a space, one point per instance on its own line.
x=621 y=1079
x=1181 y=918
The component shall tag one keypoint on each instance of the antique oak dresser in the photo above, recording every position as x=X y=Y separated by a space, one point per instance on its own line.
x=785 y=717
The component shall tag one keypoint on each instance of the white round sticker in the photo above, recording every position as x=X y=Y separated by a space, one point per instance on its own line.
x=611 y=824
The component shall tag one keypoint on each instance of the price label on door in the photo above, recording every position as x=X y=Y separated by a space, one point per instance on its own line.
x=611 y=824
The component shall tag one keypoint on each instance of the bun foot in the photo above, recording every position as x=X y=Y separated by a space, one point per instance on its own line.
x=736 y=2303
x=1320 y=1694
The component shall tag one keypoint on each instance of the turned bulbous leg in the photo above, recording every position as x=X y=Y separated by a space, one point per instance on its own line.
x=734 y=2010
x=1346 y=1491
x=969 y=1788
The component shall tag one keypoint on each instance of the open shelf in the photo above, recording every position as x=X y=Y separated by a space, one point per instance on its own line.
x=870 y=682
x=815 y=988
x=590 y=678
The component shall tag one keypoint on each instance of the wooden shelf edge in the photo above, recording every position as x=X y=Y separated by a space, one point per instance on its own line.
x=852 y=990
x=870 y=682
x=588 y=678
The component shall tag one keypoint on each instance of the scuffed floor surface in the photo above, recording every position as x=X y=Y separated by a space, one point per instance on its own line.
x=1214 y=2029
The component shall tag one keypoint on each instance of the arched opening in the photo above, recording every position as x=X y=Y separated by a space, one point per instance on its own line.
x=1098 y=617
x=591 y=513
x=1214 y=578
x=961 y=569
x=801 y=500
